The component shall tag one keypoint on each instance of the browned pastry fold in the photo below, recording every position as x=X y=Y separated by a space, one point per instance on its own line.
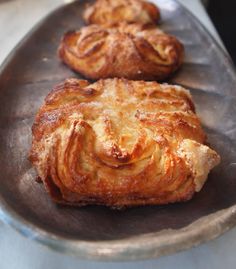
x=132 y=51
x=114 y=11
x=120 y=143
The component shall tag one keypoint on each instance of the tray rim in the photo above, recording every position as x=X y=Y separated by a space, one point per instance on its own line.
x=161 y=243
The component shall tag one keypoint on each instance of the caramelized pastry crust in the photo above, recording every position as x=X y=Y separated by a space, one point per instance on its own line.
x=120 y=143
x=114 y=11
x=132 y=51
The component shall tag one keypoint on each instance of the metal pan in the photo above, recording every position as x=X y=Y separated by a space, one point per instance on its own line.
x=97 y=232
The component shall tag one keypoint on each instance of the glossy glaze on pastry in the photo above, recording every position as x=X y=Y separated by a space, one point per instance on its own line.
x=132 y=51
x=120 y=143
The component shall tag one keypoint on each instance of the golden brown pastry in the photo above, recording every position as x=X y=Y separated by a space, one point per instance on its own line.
x=132 y=51
x=115 y=11
x=120 y=143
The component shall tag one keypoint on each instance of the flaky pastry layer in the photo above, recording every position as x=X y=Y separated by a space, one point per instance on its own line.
x=120 y=143
x=132 y=51
x=111 y=12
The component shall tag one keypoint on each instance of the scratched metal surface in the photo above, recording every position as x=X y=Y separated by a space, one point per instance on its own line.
x=98 y=232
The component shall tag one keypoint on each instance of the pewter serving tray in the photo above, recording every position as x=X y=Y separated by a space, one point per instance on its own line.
x=96 y=232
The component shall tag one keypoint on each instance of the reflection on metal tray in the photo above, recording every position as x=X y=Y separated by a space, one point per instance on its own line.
x=98 y=232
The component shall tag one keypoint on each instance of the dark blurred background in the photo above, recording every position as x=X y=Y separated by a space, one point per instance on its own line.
x=223 y=15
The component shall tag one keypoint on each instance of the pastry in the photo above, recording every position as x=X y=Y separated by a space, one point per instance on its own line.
x=120 y=143
x=115 y=11
x=133 y=51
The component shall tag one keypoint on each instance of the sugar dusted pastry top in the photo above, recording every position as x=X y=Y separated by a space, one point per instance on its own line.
x=133 y=51
x=115 y=11
x=120 y=143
